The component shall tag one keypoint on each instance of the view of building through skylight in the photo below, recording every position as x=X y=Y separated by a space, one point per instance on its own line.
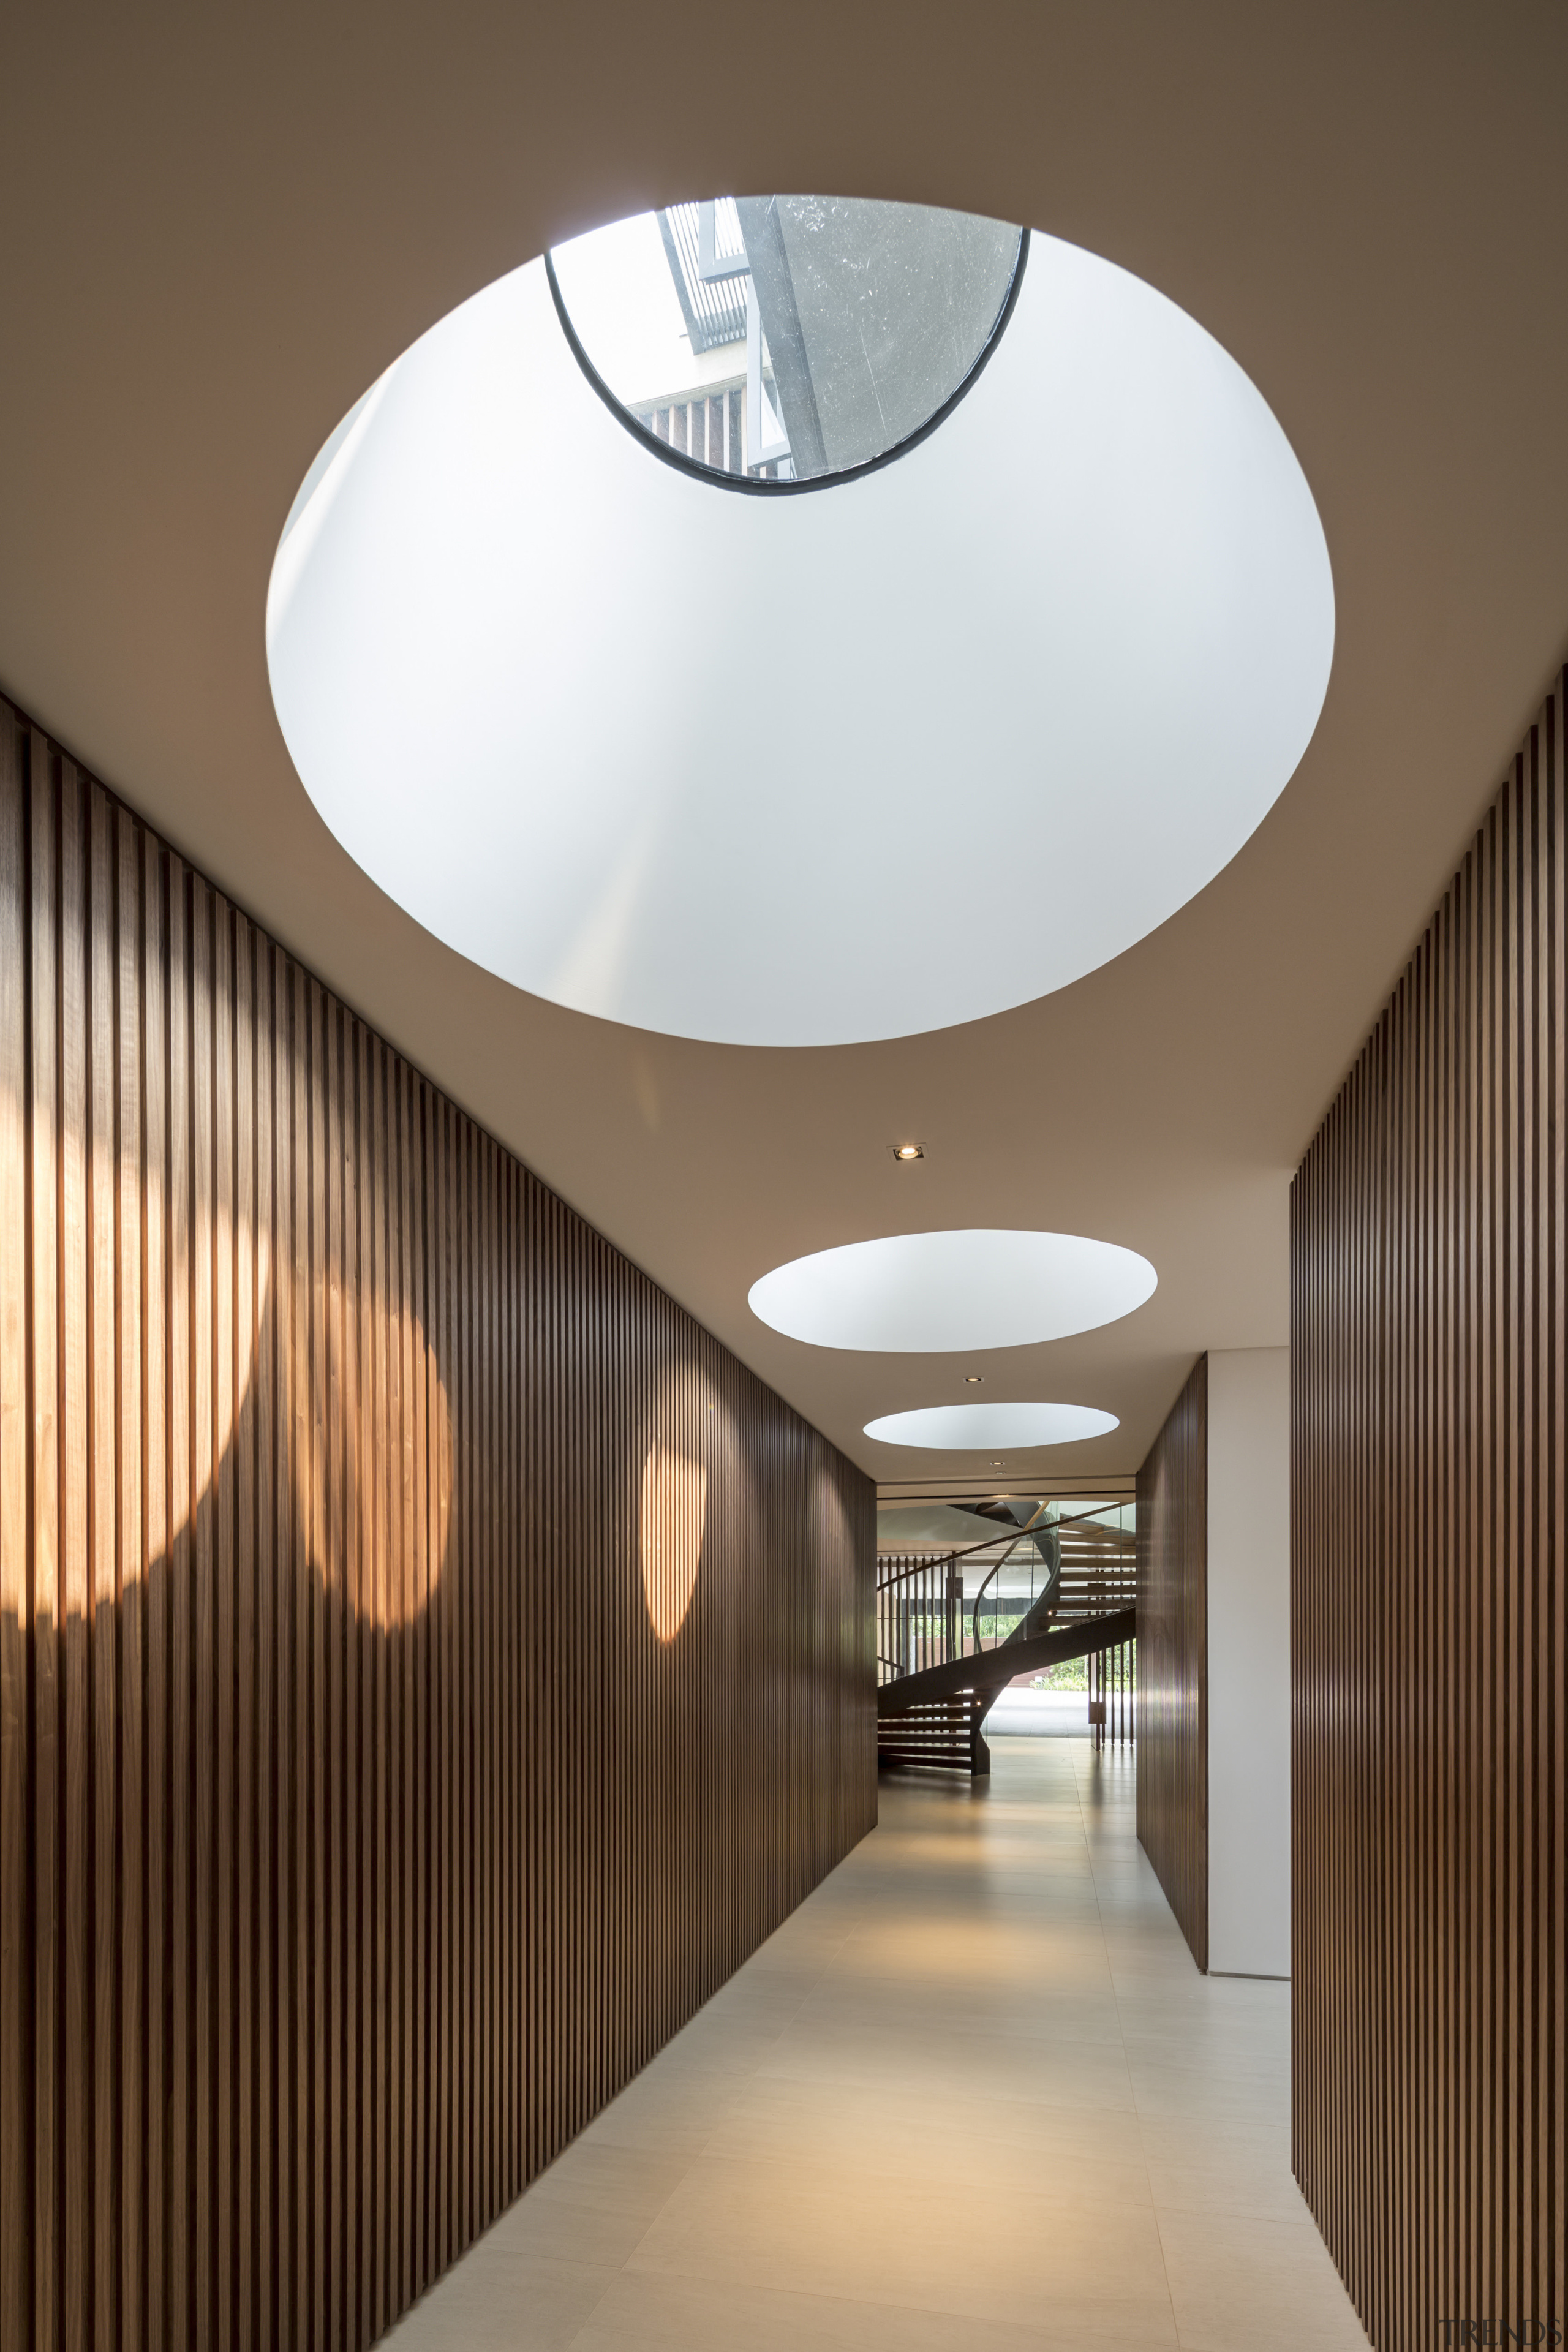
x=787 y=338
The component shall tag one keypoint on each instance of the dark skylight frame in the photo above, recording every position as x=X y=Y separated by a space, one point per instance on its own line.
x=714 y=304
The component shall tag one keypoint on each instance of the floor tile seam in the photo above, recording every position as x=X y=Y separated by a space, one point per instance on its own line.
x=1202 y=2338
x=1099 y=1915
x=1056 y=2196
x=1260 y=2095
x=1202 y=2118
x=1199 y=2053
x=913 y=2020
x=1071 y=1797
x=742 y=2076
x=917 y=2018
x=438 y=2289
x=1219 y=2336
x=978 y=2310
x=1221 y=2208
x=686 y=2157
x=737 y=2162
x=725 y=2017
x=636 y=2148
x=1074 y=2110
x=1022 y=2037
x=1094 y=1874
x=999 y=2113
x=618 y=2271
x=687 y=2165
x=786 y=2005
x=1032 y=2338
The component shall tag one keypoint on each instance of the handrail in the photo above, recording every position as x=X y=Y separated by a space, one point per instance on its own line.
x=967 y=1551
x=996 y=1570
x=1081 y=1565
x=974 y=1613
x=1041 y=1605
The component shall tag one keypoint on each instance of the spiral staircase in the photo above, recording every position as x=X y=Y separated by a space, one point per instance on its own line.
x=954 y=1628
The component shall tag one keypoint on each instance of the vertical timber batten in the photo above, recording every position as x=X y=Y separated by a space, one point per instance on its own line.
x=1171 y=1748
x=360 y=1832
x=1427 y=1264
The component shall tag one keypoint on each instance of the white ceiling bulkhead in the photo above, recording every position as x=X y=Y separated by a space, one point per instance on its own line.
x=259 y=217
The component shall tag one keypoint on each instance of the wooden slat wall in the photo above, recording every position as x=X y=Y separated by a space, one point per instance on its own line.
x=359 y=1835
x=1428 y=1488
x=1172 y=1661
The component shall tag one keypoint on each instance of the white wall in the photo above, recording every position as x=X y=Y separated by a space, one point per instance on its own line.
x=1249 y=1661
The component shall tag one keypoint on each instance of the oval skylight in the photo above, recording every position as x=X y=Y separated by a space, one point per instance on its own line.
x=777 y=342
x=984 y=1287
x=964 y=1428
x=727 y=767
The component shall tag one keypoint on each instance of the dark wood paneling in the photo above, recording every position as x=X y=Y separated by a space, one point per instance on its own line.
x=1172 y=1661
x=371 y=1807
x=1428 y=1482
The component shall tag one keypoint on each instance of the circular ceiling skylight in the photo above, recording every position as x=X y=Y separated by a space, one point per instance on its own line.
x=960 y=1428
x=911 y=1294
x=715 y=766
x=776 y=343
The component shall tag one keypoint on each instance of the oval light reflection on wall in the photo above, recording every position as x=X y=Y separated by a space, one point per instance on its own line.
x=673 y=1520
x=957 y=1428
x=344 y=1493
x=934 y=1293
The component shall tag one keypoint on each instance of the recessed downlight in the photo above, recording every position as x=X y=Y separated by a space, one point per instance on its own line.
x=907 y=1151
x=973 y=1288
x=974 y=1379
x=965 y=1428
x=1091 y=615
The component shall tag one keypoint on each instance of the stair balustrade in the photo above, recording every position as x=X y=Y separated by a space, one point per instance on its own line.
x=954 y=1627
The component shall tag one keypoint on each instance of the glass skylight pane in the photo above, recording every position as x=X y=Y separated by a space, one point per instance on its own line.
x=787 y=338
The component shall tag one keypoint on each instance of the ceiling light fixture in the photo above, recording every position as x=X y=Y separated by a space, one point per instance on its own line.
x=974 y=1379
x=962 y=1428
x=911 y=1294
x=1111 y=522
x=907 y=1151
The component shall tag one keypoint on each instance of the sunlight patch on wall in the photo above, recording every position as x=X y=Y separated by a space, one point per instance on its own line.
x=673 y=1521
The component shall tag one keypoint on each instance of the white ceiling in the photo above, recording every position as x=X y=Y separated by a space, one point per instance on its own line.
x=217 y=229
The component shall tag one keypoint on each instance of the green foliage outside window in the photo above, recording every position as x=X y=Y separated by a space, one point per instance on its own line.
x=1071 y=1676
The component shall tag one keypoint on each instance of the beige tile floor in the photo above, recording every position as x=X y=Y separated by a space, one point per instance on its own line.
x=972 y=2097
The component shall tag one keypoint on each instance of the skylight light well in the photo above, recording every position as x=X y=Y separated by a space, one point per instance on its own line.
x=965 y=1428
x=685 y=761
x=973 y=1288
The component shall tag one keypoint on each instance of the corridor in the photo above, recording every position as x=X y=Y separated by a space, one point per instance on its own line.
x=972 y=2097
